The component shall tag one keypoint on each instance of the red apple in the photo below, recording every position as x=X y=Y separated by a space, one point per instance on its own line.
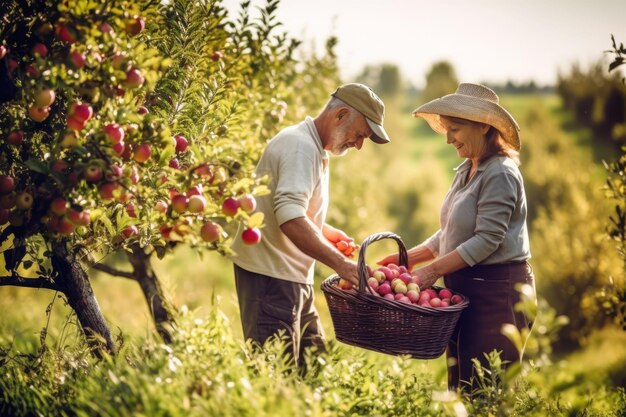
x=445 y=293
x=64 y=226
x=251 y=236
x=7 y=201
x=384 y=288
x=142 y=110
x=58 y=206
x=247 y=203
x=197 y=204
x=195 y=190
x=217 y=55
x=181 y=143
x=174 y=163
x=7 y=184
x=114 y=132
x=40 y=49
x=76 y=60
x=4 y=216
x=3 y=51
x=230 y=206
x=413 y=296
x=405 y=277
x=344 y=284
x=76 y=124
x=38 y=114
x=60 y=166
x=129 y=231
x=435 y=302
x=456 y=299
x=131 y=210
x=81 y=111
x=388 y=273
x=15 y=138
x=180 y=203
x=210 y=232
x=134 y=79
x=93 y=173
x=161 y=206
x=104 y=27
x=24 y=201
x=107 y=190
x=135 y=25
x=65 y=33
x=142 y=153
x=44 y=98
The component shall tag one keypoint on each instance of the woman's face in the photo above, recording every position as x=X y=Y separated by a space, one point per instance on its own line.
x=466 y=136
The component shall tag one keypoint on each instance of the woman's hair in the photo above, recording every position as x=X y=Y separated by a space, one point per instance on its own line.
x=493 y=145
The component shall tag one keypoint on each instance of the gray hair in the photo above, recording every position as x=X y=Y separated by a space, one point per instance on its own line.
x=334 y=102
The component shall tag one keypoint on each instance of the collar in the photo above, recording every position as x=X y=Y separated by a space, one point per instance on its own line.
x=310 y=125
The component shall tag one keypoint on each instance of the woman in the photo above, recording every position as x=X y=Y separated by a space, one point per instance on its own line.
x=482 y=247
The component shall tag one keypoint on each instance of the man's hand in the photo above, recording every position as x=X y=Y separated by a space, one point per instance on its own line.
x=344 y=243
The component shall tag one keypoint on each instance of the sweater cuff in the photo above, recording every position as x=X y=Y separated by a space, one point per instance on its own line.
x=289 y=212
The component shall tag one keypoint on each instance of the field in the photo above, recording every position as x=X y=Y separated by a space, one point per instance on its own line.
x=201 y=284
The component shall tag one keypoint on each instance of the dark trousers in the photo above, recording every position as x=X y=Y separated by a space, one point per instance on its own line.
x=268 y=305
x=492 y=295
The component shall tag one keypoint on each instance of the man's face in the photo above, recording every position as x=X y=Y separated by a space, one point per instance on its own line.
x=352 y=129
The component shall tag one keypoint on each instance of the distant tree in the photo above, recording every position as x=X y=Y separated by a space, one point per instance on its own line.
x=441 y=79
x=385 y=79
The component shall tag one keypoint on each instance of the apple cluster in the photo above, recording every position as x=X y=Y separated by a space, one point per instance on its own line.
x=396 y=283
x=347 y=247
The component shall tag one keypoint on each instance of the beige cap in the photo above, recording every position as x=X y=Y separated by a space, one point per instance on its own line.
x=365 y=101
x=472 y=102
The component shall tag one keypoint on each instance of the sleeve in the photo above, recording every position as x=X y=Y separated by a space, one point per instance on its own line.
x=496 y=203
x=298 y=174
x=432 y=243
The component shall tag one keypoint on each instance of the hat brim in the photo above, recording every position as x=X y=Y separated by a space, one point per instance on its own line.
x=380 y=135
x=469 y=108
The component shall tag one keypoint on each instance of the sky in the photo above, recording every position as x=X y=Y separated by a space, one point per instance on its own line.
x=485 y=40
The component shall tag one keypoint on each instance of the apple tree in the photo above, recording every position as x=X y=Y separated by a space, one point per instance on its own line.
x=133 y=126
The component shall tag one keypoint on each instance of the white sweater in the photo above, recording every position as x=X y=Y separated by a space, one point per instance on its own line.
x=297 y=166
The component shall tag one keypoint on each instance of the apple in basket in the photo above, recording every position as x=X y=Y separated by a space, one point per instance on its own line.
x=396 y=283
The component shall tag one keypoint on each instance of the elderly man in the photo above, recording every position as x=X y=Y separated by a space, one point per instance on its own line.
x=274 y=278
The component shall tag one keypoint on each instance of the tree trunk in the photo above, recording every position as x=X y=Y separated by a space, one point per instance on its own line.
x=73 y=281
x=148 y=281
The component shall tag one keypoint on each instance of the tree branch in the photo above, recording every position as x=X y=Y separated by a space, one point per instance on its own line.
x=113 y=271
x=18 y=281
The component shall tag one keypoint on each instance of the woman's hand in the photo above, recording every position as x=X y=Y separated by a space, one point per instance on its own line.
x=394 y=258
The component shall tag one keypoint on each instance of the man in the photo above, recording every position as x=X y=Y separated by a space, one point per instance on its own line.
x=274 y=278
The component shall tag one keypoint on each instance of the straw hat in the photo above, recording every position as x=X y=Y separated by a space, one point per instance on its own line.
x=471 y=102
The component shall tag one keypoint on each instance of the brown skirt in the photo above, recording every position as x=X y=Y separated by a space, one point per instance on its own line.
x=492 y=295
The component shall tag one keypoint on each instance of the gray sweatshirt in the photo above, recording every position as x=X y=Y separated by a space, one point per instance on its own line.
x=485 y=219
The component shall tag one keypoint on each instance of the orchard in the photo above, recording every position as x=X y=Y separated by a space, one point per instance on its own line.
x=131 y=126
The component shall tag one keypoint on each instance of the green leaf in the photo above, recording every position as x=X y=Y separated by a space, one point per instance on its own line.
x=37 y=166
x=256 y=220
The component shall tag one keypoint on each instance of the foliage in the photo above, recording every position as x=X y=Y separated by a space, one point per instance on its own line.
x=598 y=102
x=566 y=212
x=441 y=80
x=613 y=296
x=385 y=79
x=206 y=371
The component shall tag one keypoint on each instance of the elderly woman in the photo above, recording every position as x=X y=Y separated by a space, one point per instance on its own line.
x=482 y=247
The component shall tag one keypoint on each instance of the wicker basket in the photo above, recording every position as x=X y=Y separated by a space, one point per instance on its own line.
x=366 y=320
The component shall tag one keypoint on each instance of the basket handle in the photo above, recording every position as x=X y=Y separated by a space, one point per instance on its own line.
x=403 y=258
